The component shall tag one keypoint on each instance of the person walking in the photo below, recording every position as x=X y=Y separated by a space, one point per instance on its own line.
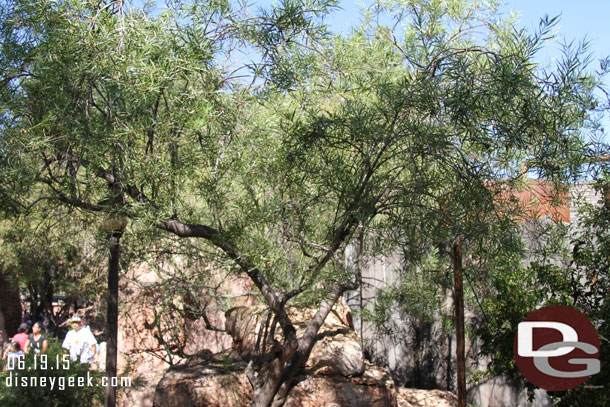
x=21 y=336
x=80 y=342
x=37 y=340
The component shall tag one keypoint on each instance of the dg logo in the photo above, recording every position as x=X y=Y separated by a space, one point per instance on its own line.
x=556 y=348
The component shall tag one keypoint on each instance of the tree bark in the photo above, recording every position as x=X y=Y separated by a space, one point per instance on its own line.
x=279 y=381
x=459 y=323
x=263 y=397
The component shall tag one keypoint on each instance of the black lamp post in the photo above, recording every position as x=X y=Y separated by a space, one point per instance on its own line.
x=114 y=225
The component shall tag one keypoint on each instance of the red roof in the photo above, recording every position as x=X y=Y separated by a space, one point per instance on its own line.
x=539 y=199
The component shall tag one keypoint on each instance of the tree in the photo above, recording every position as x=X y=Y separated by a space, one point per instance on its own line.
x=117 y=111
x=47 y=255
x=123 y=110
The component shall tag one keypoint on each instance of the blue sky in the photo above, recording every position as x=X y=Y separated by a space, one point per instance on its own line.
x=579 y=19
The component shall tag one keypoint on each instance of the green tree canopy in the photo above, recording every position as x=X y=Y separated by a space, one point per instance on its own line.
x=411 y=130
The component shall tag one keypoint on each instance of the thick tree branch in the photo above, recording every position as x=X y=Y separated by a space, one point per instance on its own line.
x=209 y=325
x=199 y=231
x=306 y=343
x=187 y=230
x=271 y=296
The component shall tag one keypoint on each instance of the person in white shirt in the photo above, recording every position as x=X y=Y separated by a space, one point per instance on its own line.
x=80 y=342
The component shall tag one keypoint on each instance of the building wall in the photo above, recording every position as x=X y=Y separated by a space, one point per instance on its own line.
x=421 y=354
x=580 y=194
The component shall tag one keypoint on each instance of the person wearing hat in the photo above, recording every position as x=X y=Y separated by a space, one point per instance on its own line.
x=22 y=335
x=80 y=342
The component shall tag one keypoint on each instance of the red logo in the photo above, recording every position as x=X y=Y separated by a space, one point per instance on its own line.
x=556 y=348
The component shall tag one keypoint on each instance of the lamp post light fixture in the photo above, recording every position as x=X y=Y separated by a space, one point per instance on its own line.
x=114 y=225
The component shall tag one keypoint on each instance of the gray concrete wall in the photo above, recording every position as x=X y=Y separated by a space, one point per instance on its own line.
x=421 y=354
x=580 y=194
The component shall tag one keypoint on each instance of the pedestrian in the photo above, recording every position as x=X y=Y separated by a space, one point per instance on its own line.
x=37 y=340
x=21 y=336
x=12 y=354
x=80 y=342
x=27 y=316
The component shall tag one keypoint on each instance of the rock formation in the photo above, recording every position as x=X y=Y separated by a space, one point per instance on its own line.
x=220 y=381
x=337 y=351
x=336 y=374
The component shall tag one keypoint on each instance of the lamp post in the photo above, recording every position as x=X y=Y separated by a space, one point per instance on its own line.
x=460 y=335
x=114 y=225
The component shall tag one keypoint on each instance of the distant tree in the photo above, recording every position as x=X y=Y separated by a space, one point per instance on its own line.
x=55 y=370
x=48 y=254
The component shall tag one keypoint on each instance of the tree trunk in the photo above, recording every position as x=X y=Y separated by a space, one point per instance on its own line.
x=10 y=305
x=3 y=335
x=263 y=397
x=459 y=323
x=46 y=296
x=279 y=380
x=33 y=296
x=113 y=318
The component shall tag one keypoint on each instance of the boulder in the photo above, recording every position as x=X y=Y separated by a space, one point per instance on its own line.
x=337 y=351
x=426 y=398
x=374 y=387
x=242 y=324
x=218 y=383
x=143 y=346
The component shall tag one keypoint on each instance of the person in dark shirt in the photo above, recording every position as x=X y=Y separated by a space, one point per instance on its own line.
x=37 y=340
